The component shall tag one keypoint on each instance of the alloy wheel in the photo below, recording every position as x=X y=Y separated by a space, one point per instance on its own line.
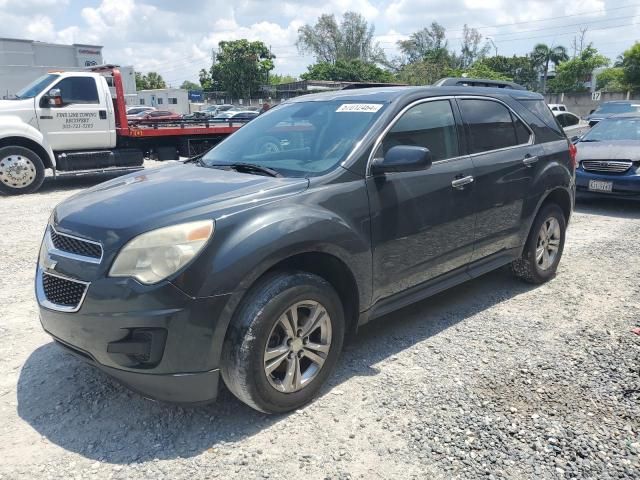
x=548 y=243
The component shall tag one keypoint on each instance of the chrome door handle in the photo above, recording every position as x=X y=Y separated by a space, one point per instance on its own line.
x=459 y=183
x=530 y=161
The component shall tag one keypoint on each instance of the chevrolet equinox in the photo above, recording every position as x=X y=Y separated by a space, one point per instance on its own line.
x=253 y=261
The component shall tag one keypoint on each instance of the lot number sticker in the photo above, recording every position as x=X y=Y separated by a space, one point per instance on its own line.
x=359 y=107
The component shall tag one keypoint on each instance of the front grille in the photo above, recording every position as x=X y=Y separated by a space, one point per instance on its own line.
x=62 y=291
x=607 y=166
x=75 y=245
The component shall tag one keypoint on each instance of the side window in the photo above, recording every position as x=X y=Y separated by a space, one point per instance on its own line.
x=571 y=120
x=522 y=132
x=561 y=120
x=490 y=126
x=78 y=90
x=430 y=125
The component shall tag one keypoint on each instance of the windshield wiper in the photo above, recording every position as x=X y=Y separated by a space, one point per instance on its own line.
x=248 y=168
x=589 y=140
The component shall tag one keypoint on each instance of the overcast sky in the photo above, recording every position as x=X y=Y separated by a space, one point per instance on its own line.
x=176 y=37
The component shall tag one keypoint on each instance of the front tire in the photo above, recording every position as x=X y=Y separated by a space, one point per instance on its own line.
x=21 y=171
x=284 y=342
x=544 y=246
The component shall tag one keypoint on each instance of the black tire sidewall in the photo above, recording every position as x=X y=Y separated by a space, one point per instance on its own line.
x=545 y=213
x=257 y=316
x=37 y=162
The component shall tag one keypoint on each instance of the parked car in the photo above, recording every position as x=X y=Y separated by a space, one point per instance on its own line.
x=572 y=124
x=252 y=262
x=241 y=115
x=155 y=116
x=609 y=157
x=558 y=107
x=476 y=82
x=609 y=109
x=138 y=109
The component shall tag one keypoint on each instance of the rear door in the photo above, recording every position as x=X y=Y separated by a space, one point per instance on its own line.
x=505 y=160
x=422 y=222
x=82 y=122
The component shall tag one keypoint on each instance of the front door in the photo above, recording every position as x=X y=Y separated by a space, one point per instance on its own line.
x=422 y=222
x=82 y=122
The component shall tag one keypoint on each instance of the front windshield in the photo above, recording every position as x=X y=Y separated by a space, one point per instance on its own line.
x=614 y=129
x=618 y=108
x=300 y=139
x=35 y=87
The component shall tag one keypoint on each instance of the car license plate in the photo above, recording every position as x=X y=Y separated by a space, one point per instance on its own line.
x=600 y=186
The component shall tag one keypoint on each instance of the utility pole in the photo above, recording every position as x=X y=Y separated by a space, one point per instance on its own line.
x=494 y=44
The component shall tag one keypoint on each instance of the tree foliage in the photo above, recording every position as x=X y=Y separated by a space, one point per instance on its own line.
x=188 y=85
x=240 y=69
x=542 y=55
x=478 y=70
x=472 y=48
x=518 y=69
x=571 y=75
x=330 y=42
x=428 y=44
x=150 y=81
x=277 y=79
x=631 y=66
x=611 y=80
x=347 y=71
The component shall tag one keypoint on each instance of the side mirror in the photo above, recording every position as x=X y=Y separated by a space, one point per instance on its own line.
x=54 y=97
x=575 y=139
x=402 y=158
x=591 y=111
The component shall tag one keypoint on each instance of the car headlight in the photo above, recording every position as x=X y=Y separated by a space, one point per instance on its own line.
x=153 y=256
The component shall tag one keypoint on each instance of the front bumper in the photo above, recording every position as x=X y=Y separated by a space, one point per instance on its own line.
x=117 y=317
x=624 y=185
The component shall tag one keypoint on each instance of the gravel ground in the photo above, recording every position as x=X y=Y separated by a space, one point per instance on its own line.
x=493 y=379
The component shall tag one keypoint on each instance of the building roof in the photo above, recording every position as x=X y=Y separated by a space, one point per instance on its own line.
x=26 y=40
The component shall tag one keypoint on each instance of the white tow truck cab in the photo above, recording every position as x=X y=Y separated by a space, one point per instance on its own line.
x=74 y=123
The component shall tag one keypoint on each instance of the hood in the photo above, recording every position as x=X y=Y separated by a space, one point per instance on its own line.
x=24 y=109
x=609 y=150
x=154 y=198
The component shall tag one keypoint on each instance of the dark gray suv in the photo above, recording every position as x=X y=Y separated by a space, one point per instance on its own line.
x=253 y=262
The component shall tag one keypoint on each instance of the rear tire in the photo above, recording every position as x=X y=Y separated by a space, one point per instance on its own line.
x=544 y=247
x=275 y=364
x=21 y=171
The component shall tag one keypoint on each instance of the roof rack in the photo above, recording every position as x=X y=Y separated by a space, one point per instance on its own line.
x=476 y=82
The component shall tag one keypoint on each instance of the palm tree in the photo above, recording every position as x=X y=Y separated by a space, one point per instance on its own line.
x=543 y=54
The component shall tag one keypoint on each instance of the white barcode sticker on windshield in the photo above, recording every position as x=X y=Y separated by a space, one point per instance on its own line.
x=359 y=107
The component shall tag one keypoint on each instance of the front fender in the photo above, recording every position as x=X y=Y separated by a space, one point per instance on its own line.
x=12 y=126
x=242 y=251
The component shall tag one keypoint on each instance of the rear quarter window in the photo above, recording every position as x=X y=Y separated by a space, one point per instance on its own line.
x=542 y=112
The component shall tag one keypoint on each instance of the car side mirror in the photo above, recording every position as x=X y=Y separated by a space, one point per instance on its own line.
x=575 y=139
x=591 y=111
x=402 y=158
x=54 y=97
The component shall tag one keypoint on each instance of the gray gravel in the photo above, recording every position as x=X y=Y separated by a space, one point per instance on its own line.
x=493 y=379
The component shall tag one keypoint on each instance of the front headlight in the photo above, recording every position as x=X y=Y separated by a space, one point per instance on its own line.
x=155 y=255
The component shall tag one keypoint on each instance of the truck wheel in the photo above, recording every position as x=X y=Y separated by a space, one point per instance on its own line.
x=284 y=343
x=21 y=170
x=544 y=246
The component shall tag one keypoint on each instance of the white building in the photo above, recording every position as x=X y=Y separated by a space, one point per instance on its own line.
x=22 y=61
x=172 y=99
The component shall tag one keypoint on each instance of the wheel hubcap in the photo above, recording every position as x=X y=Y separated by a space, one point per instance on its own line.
x=298 y=346
x=17 y=171
x=548 y=243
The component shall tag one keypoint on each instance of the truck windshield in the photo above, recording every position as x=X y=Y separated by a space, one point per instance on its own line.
x=35 y=87
x=299 y=139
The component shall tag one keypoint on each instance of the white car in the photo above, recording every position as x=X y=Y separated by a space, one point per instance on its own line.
x=557 y=107
x=572 y=124
x=138 y=109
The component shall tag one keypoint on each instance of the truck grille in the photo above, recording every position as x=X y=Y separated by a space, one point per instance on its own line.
x=607 y=166
x=74 y=245
x=62 y=291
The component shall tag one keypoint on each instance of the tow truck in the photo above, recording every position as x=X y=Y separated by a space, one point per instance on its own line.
x=75 y=123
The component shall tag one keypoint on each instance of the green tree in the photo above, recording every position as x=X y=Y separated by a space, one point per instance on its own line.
x=347 y=71
x=150 y=81
x=631 y=66
x=472 y=49
x=521 y=70
x=330 y=42
x=571 y=75
x=277 y=79
x=426 y=45
x=542 y=55
x=188 y=85
x=241 y=68
x=611 y=80
x=477 y=70
x=423 y=72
